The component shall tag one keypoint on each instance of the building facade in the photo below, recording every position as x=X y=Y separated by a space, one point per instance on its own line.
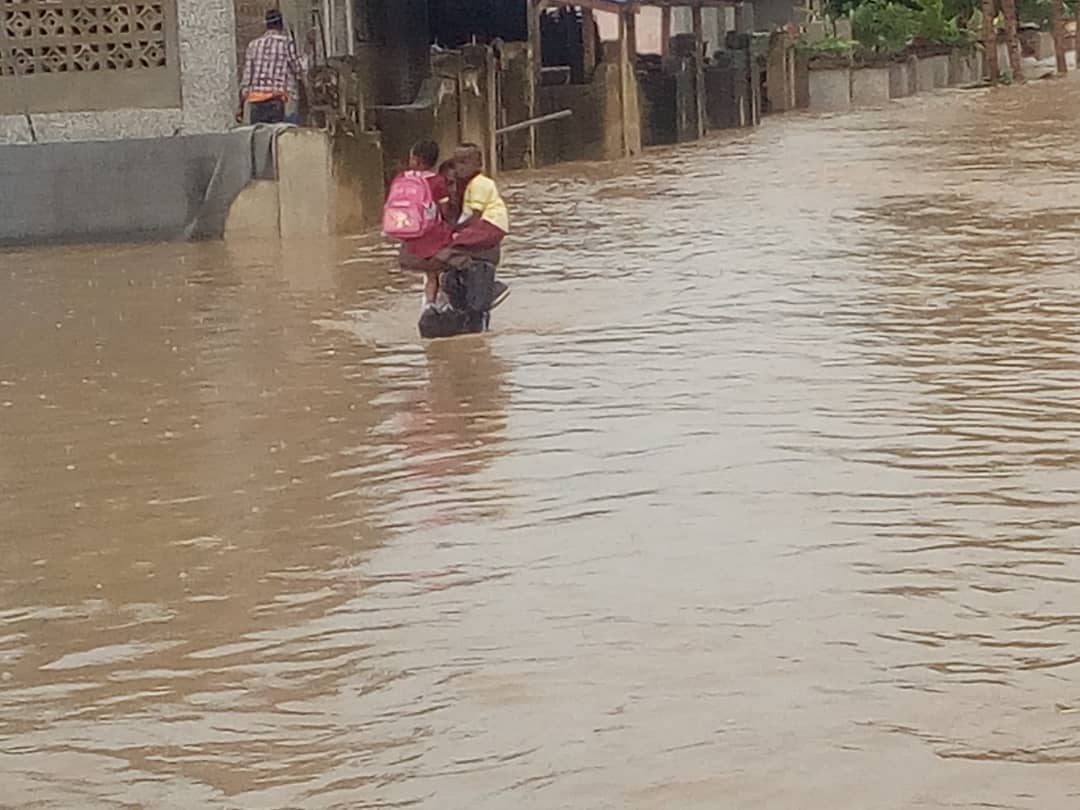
x=91 y=70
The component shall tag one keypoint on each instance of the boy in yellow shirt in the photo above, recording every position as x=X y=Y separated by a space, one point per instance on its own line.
x=485 y=219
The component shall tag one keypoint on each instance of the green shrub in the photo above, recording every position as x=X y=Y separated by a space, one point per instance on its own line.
x=883 y=26
x=830 y=46
x=1034 y=11
x=933 y=26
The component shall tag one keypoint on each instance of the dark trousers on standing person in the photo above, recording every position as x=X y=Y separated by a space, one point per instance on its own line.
x=271 y=111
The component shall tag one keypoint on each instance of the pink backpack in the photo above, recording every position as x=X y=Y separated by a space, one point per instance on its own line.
x=410 y=211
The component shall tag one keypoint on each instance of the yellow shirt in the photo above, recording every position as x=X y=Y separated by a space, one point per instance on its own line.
x=482 y=197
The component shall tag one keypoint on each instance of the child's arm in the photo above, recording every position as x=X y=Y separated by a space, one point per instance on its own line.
x=467 y=218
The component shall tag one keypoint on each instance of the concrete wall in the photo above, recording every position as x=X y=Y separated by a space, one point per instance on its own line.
x=802 y=80
x=1037 y=44
x=325 y=184
x=715 y=22
x=898 y=80
x=924 y=73
x=104 y=190
x=357 y=173
x=870 y=87
x=830 y=90
x=938 y=66
x=965 y=67
x=208 y=88
x=594 y=132
x=513 y=90
x=433 y=115
x=659 y=106
x=770 y=15
x=729 y=101
x=457 y=103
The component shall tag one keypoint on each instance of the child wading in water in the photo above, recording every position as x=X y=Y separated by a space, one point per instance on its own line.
x=407 y=202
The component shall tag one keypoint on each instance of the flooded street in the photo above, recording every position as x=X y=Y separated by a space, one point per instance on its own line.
x=762 y=493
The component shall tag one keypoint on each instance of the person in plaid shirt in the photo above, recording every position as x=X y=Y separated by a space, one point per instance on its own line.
x=271 y=72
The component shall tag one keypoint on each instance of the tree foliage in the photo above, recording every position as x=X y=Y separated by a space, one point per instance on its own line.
x=888 y=26
x=883 y=26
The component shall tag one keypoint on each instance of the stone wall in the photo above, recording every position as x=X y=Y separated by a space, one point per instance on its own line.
x=208 y=85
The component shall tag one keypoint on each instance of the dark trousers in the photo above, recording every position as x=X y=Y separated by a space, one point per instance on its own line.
x=268 y=112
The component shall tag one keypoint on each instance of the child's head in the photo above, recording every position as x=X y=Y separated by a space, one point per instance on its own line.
x=446 y=169
x=424 y=156
x=468 y=160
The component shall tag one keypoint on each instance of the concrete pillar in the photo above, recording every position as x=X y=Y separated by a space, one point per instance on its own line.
x=665 y=31
x=533 y=11
x=631 y=114
x=588 y=42
x=699 y=69
x=304 y=183
x=780 y=80
x=744 y=18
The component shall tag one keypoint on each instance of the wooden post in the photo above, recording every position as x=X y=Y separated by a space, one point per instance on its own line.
x=1012 y=39
x=665 y=31
x=989 y=41
x=532 y=89
x=491 y=109
x=631 y=117
x=1076 y=41
x=1058 y=27
x=588 y=43
x=699 y=69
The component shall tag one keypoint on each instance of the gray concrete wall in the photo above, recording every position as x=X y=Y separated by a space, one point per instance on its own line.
x=870 y=87
x=965 y=67
x=728 y=91
x=924 y=74
x=306 y=194
x=594 y=132
x=769 y=15
x=899 y=82
x=104 y=190
x=939 y=66
x=357 y=173
x=830 y=90
x=714 y=24
x=433 y=115
x=208 y=89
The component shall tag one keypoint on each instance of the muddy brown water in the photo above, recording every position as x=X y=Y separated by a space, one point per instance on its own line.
x=762 y=494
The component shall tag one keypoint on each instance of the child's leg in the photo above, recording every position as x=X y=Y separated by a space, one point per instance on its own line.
x=431 y=286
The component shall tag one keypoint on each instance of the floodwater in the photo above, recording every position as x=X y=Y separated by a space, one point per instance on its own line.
x=762 y=494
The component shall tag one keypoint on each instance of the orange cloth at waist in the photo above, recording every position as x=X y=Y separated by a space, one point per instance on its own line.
x=256 y=97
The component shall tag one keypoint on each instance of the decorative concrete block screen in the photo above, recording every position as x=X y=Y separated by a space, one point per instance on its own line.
x=75 y=55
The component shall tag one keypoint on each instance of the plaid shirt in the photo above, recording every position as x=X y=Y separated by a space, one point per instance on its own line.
x=271 y=65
